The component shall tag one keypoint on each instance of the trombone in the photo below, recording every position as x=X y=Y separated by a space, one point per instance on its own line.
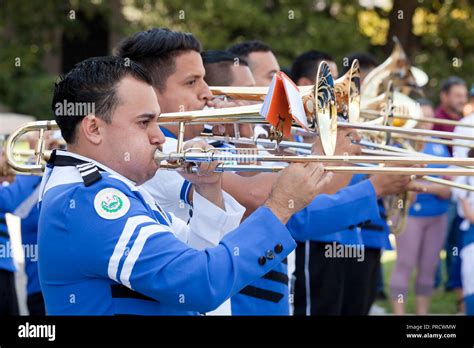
x=397 y=69
x=38 y=154
x=434 y=140
x=347 y=100
x=181 y=157
x=320 y=104
x=224 y=167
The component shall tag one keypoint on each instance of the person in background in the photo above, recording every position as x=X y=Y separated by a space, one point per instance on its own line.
x=462 y=151
x=8 y=297
x=466 y=212
x=303 y=73
x=223 y=70
x=262 y=63
x=326 y=285
x=424 y=235
x=305 y=67
x=260 y=58
x=367 y=63
x=184 y=84
x=455 y=278
x=453 y=98
x=20 y=198
x=469 y=108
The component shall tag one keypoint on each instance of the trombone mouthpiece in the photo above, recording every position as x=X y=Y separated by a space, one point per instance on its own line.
x=159 y=156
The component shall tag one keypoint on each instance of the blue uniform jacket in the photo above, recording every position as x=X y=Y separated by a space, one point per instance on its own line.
x=373 y=233
x=327 y=214
x=105 y=250
x=18 y=198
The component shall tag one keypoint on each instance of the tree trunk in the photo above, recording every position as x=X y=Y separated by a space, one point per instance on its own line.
x=401 y=24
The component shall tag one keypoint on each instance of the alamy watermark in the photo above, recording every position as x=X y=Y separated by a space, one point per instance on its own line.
x=336 y=250
x=74 y=109
x=29 y=250
x=37 y=331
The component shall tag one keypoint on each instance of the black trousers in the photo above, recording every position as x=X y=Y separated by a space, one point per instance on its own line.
x=8 y=298
x=360 y=285
x=35 y=304
x=319 y=281
x=332 y=285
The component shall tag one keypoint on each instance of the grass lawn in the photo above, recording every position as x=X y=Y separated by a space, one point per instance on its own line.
x=442 y=302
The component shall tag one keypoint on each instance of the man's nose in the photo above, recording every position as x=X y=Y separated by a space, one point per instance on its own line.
x=156 y=136
x=205 y=93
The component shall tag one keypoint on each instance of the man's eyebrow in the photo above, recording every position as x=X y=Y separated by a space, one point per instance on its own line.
x=148 y=115
x=193 y=76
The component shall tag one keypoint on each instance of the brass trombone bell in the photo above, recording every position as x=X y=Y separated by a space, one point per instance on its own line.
x=347 y=90
x=396 y=68
x=318 y=101
x=405 y=112
x=347 y=93
x=348 y=101
x=325 y=110
x=39 y=151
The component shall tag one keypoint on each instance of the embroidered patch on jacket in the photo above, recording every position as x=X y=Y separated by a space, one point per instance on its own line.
x=111 y=203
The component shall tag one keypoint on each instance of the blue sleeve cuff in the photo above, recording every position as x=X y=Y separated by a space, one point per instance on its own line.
x=350 y=207
x=265 y=243
x=184 y=193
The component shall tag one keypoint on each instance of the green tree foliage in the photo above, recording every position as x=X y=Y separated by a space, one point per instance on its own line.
x=28 y=32
x=440 y=42
x=289 y=26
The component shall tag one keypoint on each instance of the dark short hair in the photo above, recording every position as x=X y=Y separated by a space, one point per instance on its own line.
x=156 y=50
x=366 y=61
x=451 y=81
x=286 y=70
x=91 y=85
x=306 y=64
x=218 y=66
x=243 y=49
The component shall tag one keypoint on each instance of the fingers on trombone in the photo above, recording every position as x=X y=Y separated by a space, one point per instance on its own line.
x=316 y=171
x=204 y=168
x=415 y=186
x=325 y=178
x=207 y=168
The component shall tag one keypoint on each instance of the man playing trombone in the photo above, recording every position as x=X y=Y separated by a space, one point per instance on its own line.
x=106 y=248
x=174 y=59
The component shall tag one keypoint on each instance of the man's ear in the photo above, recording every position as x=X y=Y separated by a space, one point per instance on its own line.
x=91 y=128
x=304 y=81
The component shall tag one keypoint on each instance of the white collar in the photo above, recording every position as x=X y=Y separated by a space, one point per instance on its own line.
x=98 y=164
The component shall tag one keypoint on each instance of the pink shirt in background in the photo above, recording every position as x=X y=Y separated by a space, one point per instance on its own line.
x=442 y=114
